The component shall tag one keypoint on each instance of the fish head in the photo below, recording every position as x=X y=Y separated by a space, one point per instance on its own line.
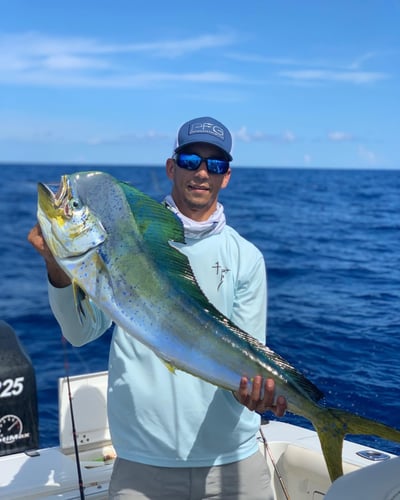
x=68 y=224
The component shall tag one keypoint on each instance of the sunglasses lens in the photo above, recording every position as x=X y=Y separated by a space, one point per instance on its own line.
x=190 y=162
x=217 y=166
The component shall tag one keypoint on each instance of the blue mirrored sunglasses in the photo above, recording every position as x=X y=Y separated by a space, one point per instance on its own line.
x=193 y=162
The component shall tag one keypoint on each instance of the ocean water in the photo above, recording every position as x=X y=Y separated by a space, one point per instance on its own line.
x=331 y=243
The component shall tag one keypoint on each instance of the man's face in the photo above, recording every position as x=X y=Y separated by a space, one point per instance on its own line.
x=195 y=192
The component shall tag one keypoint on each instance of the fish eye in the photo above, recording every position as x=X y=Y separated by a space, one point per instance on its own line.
x=72 y=206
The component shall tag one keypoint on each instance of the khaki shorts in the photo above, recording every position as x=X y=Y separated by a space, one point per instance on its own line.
x=247 y=479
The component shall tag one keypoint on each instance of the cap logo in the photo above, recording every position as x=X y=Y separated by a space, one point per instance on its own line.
x=207 y=128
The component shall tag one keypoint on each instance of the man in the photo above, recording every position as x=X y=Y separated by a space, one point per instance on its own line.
x=175 y=435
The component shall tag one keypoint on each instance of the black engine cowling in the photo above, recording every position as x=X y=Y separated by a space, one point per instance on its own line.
x=19 y=429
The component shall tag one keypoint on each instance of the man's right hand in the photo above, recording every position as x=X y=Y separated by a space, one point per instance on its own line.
x=57 y=276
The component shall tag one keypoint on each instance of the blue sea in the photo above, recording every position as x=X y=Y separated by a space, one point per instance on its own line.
x=331 y=241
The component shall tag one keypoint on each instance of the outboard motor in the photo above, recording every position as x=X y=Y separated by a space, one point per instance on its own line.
x=19 y=429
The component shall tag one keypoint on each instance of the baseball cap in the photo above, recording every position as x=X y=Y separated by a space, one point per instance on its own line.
x=205 y=129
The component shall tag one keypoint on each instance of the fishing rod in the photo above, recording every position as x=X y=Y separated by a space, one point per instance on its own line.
x=74 y=433
x=273 y=461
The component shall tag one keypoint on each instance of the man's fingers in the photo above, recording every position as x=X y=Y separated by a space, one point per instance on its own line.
x=262 y=396
x=281 y=406
x=269 y=393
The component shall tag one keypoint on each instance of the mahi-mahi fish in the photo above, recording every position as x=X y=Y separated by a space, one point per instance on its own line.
x=121 y=249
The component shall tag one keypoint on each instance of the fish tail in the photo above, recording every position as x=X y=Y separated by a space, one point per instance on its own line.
x=332 y=425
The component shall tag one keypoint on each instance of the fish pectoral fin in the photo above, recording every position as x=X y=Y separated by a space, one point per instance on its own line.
x=81 y=306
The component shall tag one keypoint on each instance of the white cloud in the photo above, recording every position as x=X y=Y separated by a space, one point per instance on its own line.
x=34 y=58
x=338 y=136
x=359 y=61
x=315 y=75
x=317 y=70
x=368 y=156
x=48 y=77
x=71 y=62
x=243 y=135
x=37 y=44
x=262 y=59
x=288 y=136
x=38 y=59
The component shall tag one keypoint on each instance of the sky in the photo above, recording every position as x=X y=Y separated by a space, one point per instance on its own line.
x=299 y=83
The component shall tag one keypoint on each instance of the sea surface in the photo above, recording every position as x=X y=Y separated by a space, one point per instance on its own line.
x=331 y=241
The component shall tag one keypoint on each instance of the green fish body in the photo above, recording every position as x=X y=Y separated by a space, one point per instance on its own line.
x=122 y=249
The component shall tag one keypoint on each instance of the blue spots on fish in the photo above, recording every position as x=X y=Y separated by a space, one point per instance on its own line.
x=104 y=256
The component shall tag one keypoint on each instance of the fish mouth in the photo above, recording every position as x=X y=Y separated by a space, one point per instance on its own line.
x=49 y=200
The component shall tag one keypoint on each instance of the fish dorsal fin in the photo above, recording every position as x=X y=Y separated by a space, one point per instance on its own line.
x=162 y=233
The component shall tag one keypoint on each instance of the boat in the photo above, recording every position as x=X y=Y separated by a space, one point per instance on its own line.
x=293 y=453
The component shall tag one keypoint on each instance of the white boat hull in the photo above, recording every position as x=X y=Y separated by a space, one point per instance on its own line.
x=293 y=455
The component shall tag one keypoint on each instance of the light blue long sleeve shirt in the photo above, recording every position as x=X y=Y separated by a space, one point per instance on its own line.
x=178 y=420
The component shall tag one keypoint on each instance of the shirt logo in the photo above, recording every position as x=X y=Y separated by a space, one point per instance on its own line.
x=221 y=272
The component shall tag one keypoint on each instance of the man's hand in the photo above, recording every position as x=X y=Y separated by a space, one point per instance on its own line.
x=253 y=401
x=35 y=238
x=57 y=276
